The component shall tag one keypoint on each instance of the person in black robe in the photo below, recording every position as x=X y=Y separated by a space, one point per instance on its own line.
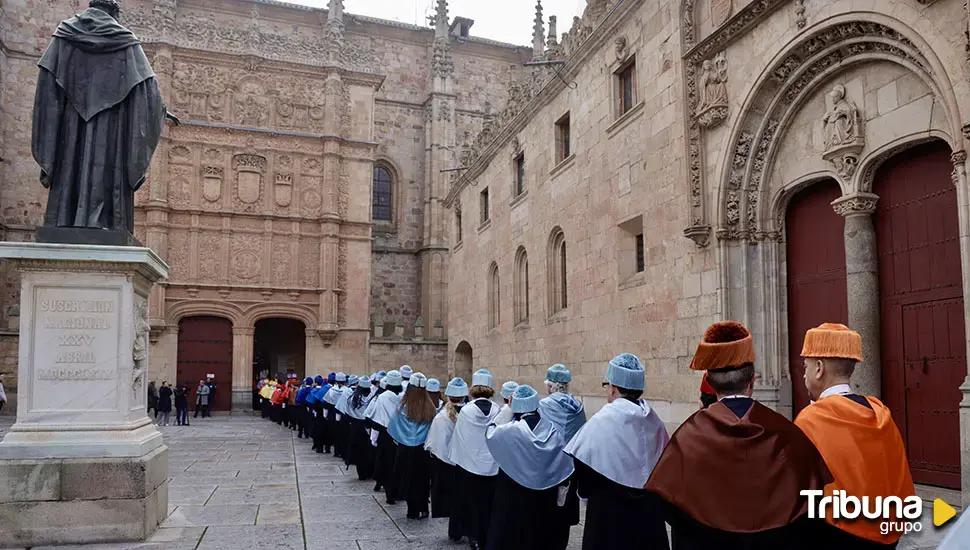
x=332 y=437
x=532 y=481
x=477 y=471
x=409 y=429
x=732 y=474
x=386 y=450
x=614 y=454
x=439 y=446
x=97 y=119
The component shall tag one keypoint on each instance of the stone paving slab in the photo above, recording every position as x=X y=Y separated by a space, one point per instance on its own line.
x=200 y=516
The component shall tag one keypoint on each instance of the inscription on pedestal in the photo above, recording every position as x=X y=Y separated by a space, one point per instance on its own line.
x=75 y=348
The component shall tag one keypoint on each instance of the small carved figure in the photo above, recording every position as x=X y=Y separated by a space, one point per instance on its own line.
x=713 y=83
x=140 y=349
x=842 y=125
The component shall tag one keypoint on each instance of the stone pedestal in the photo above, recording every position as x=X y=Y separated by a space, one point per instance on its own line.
x=83 y=463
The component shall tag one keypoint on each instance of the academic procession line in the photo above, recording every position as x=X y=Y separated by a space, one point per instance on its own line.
x=511 y=476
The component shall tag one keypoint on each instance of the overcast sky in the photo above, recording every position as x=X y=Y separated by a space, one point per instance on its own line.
x=503 y=20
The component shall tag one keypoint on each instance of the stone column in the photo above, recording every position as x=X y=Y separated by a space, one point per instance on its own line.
x=242 y=368
x=965 y=442
x=862 y=285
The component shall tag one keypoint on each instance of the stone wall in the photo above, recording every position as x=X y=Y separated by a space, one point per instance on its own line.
x=9 y=358
x=623 y=172
x=428 y=358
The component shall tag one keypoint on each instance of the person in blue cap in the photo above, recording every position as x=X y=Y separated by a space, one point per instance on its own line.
x=477 y=470
x=343 y=421
x=533 y=472
x=614 y=454
x=381 y=412
x=409 y=429
x=359 y=450
x=505 y=413
x=315 y=400
x=332 y=438
x=434 y=392
x=567 y=414
x=301 y=411
x=439 y=445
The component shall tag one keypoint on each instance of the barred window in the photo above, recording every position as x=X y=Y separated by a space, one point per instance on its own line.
x=383 y=194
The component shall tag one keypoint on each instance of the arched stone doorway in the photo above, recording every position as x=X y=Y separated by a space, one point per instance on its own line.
x=464 y=365
x=923 y=339
x=279 y=348
x=205 y=353
x=815 y=254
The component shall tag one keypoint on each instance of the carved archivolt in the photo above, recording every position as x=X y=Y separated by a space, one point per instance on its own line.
x=815 y=59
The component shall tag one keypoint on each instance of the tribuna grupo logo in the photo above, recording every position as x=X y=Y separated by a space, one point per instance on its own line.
x=897 y=515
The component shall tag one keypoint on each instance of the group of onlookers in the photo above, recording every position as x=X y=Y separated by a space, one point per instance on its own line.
x=164 y=398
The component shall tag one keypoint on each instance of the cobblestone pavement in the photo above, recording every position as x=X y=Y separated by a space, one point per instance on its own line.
x=245 y=483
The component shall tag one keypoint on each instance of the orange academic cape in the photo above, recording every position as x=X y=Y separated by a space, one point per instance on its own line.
x=864 y=451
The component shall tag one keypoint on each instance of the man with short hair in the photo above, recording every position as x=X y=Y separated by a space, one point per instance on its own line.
x=855 y=434
x=733 y=473
x=614 y=454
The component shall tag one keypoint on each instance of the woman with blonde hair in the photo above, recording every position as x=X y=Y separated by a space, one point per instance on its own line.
x=439 y=445
x=409 y=428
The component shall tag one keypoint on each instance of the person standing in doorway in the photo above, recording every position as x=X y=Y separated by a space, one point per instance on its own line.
x=152 y=400
x=201 y=399
x=165 y=402
x=3 y=393
x=181 y=405
x=212 y=395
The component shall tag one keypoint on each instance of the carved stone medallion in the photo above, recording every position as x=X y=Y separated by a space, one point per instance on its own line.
x=246 y=264
x=720 y=11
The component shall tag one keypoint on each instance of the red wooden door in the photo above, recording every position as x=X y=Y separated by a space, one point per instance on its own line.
x=205 y=347
x=923 y=328
x=816 y=273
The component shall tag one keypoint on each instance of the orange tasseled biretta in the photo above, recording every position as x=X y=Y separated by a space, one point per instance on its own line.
x=833 y=340
x=725 y=345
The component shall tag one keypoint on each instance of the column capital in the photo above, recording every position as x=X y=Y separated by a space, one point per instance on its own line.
x=958 y=158
x=243 y=331
x=856 y=204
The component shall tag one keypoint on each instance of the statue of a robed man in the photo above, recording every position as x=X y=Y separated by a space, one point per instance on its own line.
x=98 y=116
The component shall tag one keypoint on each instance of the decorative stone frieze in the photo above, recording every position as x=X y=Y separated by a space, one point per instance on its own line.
x=857 y=204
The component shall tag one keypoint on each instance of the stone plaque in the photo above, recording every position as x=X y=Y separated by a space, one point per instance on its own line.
x=75 y=348
x=720 y=11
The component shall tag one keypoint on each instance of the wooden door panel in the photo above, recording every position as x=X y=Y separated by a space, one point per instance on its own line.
x=205 y=347
x=923 y=326
x=816 y=273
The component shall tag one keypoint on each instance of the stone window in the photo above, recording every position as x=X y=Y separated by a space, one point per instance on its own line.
x=457 y=226
x=519 y=167
x=483 y=206
x=562 y=139
x=494 y=304
x=521 y=282
x=382 y=203
x=630 y=240
x=626 y=87
x=558 y=297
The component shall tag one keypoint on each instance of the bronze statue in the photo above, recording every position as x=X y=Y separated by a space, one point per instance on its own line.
x=98 y=116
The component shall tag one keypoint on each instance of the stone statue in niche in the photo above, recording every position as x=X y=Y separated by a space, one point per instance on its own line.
x=95 y=127
x=712 y=106
x=844 y=137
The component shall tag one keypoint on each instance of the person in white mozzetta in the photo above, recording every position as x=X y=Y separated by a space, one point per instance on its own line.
x=505 y=413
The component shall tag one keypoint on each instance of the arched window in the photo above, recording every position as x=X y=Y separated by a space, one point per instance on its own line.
x=383 y=199
x=494 y=304
x=558 y=295
x=521 y=297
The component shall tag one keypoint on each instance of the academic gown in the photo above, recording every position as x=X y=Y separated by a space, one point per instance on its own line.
x=319 y=428
x=477 y=470
x=864 y=450
x=332 y=435
x=343 y=425
x=360 y=453
x=568 y=415
x=412 y=467
x=385 y=406
x=532 y=471
x=731 y=478
x=442 y=469
x=614 y=454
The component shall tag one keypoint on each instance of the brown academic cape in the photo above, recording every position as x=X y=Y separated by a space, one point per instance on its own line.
x=739 y=475
x=864 y=451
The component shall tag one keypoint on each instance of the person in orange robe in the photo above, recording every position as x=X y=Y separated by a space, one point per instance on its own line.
x=855 y=434
x=732 y=474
